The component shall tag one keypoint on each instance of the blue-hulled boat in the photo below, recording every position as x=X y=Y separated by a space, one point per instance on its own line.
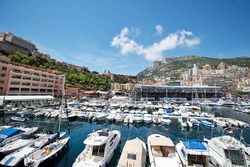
x=8 y=133
x=195 y=122
x=193 y=153
x=207 y=123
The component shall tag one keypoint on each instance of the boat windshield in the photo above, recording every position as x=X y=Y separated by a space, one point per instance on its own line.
x=184 y=119
x=236 y=157
x=197 y=160
x=98 y=150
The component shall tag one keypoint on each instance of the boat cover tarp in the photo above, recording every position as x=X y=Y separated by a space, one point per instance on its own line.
x=169 y=110
x=195 y=144
x=8 y=133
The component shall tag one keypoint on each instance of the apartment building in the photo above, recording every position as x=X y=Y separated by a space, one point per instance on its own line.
x=19 y=79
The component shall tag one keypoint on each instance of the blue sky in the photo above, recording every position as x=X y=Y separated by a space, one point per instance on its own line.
x=121 y=35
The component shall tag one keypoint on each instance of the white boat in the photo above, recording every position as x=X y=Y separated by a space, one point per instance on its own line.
x=99 y=149
x=111 y=117
x=18 y=119
x=11 y=134
x=147 y=118
x=247 y=111
x=236 y=123
x=165 y=120
x=221 y=122
x=185 y=122
x=16 y=158
x=138 y=118
x=25 y=140
x=162 y=152
x=195 y=122
x=133 y=154
x=43 y=155
x=119 y=118
x=226 y=151
x=156 y=119
x=100 y=116
x=193 y=153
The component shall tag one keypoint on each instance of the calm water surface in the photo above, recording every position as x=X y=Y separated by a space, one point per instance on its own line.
x=80 y=129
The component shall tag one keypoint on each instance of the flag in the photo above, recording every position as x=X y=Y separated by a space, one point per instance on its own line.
x=229 y=130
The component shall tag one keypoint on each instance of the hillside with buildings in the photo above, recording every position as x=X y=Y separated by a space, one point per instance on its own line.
x=229 y=73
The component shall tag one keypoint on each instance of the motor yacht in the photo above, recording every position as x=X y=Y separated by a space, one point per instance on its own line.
x=133 y=154
x=193 y=153
x=99 y=149
x=165 y=120
x=111 y=117
x=147 y=118
x=185 y=122
x=100 y=116
x=156 y=119
x=119 y=117
x=221 y=122
x=138 y=118
x=162 y=151
x=227 y=151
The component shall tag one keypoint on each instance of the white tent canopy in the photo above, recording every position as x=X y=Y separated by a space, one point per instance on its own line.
x=24 y=98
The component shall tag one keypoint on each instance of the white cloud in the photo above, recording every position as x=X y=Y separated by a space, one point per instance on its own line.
x=154 y=51
x=159 y=29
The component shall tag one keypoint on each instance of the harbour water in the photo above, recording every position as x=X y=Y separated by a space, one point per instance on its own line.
x=80 y=129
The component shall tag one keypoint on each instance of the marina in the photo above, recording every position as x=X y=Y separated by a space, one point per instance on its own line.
x=131 y=124
x=103 y=84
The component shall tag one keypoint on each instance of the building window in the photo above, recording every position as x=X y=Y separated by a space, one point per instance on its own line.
x=26 y=84
x=16 y=71
x=27 y=78
x=1 y=81
x=42 y=90
x=15 y=83
x=36 y=74
x=27 y=72
x=24 y=90
x=4 y=68
x=34 y=84
x=36 y=79
x=34 y=90
x=14 y=89
x=16 y=76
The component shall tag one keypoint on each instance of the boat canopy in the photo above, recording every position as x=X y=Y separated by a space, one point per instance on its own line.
x=159 y=140
x=195 y=144
x=8 y=133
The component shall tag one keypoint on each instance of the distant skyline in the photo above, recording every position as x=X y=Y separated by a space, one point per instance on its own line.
x=126 y=36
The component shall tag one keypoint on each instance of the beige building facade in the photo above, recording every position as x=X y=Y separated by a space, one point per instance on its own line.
x=19 y=79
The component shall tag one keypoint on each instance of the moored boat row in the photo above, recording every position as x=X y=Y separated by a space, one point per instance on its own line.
x=219 y=151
